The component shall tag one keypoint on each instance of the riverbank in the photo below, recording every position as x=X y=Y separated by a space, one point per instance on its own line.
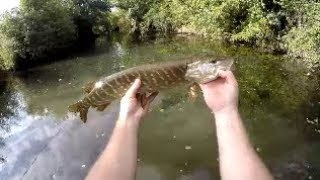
x=282 y=27
x=289 y=28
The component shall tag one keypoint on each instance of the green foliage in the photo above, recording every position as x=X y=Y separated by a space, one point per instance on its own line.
x=273 y=25
x=136 y=8
x=162 y=17
x=11 y=38
x=120 y=21
x=303 y=40
x=43 y=30
x=91 y=16
x=48 y=28
x=35 y=31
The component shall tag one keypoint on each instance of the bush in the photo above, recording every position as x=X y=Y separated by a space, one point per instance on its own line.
x=273 y=25
x=303 y=40
x=11 y=39
x=41 y=31
x=120 y=21
x=35 y=32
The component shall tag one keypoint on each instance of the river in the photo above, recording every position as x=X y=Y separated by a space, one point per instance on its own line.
x=279 y=102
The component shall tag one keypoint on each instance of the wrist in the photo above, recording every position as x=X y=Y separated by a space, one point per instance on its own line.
x=128 y=123
x=226 y=110
x=226 y=113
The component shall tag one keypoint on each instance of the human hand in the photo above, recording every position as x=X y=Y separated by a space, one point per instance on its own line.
x=131 y=108
x=221 y=95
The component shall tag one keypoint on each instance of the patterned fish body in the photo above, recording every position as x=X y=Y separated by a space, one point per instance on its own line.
x=154 y=78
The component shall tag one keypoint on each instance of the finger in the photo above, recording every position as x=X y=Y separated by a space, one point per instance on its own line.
x=144 y=99
x=139 y=97
x=223 y=74
x=133 y=90
x=209 y=84
x=206 y=87
x=228 y=75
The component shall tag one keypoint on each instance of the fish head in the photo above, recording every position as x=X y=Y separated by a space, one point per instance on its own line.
x=204 y=71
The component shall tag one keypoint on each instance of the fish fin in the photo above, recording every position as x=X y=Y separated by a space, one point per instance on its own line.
x=102 y=107
x=88 y=87
x=148 y=99
x=141 y=98
x=84 y=114
x=193 y=92
x=152 y=96
x=77 y=107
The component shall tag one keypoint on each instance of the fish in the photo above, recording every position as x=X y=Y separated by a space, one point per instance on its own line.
x=154 y=78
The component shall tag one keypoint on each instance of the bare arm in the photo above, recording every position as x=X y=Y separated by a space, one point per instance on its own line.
x=119 y=159
x=238 y=159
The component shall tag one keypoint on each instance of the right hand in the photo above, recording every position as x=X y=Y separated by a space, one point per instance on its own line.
x=131 y=110
x=221 y=95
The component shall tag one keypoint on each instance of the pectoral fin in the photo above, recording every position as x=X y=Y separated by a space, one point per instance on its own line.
x=84 y=114
x=78 y=107
x=144 y=99
x=141 y=97
x=193 y=92
x=150 y=98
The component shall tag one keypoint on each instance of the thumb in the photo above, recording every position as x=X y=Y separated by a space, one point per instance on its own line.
x=223 y=74
x=228 y=75
x=132 y=91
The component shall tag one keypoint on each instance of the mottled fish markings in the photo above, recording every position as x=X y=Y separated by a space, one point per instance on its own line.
x=154 y=78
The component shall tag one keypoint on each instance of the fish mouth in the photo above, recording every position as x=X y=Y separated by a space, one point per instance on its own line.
x=208 y=79
x=203 y=72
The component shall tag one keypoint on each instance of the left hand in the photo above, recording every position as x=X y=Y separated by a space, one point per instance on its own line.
x=131 y=110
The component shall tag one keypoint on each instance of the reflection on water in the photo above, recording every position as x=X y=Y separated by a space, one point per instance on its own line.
x=279 y=102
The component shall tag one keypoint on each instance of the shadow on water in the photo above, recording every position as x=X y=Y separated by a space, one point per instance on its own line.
x=279 y=102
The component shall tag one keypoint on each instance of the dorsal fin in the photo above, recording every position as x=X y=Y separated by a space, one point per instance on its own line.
x=88 y=87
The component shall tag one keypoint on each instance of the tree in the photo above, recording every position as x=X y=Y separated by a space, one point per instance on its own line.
x=90 y=17
x=41 y=31
x=34 y=32
x=136 y=9
x=11 y=39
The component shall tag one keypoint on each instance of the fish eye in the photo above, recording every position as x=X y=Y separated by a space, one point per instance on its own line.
x=213 y=61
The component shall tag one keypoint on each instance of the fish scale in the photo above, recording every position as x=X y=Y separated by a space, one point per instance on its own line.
x=154 y=78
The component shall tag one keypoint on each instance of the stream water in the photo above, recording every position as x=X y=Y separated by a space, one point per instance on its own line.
x=279 y=103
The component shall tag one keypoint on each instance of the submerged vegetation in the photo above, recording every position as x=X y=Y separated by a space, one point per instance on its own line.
x=40 y=31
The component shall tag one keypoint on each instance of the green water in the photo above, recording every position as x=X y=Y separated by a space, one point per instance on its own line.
x=279 y=102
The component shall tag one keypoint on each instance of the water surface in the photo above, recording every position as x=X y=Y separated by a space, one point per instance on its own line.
x=279 y=103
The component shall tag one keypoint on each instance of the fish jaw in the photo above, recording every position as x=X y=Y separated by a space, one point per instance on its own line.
x=205 y=71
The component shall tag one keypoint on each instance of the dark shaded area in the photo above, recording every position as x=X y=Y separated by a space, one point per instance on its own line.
x=7 y=106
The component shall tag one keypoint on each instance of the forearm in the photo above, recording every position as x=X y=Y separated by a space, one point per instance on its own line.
x=238 y=159
x=119 y=159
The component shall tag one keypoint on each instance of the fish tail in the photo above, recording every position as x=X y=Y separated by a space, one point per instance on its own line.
x=78 y=107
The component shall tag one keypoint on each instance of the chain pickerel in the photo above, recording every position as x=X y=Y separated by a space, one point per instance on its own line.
x=154 y=78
